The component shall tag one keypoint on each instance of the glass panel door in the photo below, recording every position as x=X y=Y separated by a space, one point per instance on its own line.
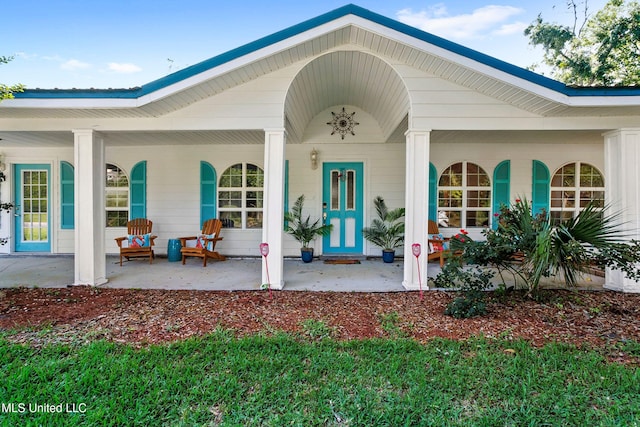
x=342 y=196
x=33 y=220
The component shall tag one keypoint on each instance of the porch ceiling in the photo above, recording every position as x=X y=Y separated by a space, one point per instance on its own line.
x=65 y=139
x=351 y=78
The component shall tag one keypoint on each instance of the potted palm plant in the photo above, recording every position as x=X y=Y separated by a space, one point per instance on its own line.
x=304 y=230
x=387 y=230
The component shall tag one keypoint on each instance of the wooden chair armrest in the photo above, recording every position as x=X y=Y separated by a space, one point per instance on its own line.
x=183 y=240
x=119 y=240
x=517 y=257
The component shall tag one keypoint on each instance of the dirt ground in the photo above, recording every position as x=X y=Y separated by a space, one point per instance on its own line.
x=603 y=319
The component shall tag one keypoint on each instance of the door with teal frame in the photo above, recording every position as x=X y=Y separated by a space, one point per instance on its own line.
x=342 y=204
x=33 y=214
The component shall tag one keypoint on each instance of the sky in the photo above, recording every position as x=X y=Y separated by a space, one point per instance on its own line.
x=127 y=43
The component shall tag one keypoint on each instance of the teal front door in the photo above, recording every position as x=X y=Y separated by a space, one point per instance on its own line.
x=33 y=213
x=342 y=204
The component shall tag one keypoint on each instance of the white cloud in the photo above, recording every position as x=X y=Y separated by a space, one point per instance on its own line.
x=26 y=56
x=508 y=29
x=123 y=68
x=74 y=64
x=486 y=20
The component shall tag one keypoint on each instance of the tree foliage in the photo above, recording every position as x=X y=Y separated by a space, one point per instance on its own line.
x=7 y=91
x=598 y=50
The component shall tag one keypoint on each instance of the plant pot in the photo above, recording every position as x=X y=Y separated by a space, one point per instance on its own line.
x=307 y=254
x=388 y=255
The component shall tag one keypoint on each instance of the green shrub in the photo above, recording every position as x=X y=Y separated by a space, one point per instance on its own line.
x=316 y=329
x=529 y=246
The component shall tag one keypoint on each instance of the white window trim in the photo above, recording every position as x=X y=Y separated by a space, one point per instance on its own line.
x=465 y=189
x=113 y=190
x=243 y=209
x=577 y=189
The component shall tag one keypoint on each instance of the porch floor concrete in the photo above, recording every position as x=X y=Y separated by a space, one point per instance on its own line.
x=371 y=275
x=50 y=271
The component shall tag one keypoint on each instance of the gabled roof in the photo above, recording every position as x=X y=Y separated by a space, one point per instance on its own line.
x=349 y=9
x=462 y=65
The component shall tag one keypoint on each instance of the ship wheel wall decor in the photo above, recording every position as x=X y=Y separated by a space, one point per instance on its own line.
x=343 y=123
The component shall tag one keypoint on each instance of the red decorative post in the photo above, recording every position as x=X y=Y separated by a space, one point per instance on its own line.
x=264 y=250
x=417 y=249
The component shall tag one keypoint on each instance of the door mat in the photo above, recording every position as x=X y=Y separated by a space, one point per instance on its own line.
x=341 y=261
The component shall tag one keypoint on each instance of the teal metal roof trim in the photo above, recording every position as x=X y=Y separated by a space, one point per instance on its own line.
x=349 y=9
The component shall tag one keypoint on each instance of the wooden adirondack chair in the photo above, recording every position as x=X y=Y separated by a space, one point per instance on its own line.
x=203 y=245
x=437 y=244
x=139 y=241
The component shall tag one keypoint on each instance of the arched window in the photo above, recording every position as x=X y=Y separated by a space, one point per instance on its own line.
x=573 y=186
x=117 y=196
x=240 y=196
x=464 y=196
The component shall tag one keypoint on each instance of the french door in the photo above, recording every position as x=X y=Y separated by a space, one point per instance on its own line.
x=32 y=211
x=343 y=207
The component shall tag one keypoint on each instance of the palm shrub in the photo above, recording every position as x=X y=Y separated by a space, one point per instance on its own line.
x=4 y=207
x=304 y=230
x=387 y=230
x=530 y=247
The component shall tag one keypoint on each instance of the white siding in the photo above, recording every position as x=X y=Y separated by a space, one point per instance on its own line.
x=553 y=150
x=173 y=176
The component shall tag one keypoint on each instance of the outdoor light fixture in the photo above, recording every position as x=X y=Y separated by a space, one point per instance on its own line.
x=314 y=159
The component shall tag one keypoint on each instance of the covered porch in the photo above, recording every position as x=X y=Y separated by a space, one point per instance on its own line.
x=235 y=274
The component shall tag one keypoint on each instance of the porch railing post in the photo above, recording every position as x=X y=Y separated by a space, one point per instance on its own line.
x=273 y=206
x=622 y=186
x=89 y=170
x=416 y=204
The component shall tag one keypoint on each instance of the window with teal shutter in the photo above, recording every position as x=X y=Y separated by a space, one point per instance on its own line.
x=501 y=187
x=540 y=187
x=67 y=219
x=433 y=193
x=208 y=192
x=138 y=189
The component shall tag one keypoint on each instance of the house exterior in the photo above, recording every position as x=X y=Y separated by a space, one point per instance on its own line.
x=342 y=108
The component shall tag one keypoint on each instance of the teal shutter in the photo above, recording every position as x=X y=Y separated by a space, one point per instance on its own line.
x=138 y=191
x=540 y=190
x=433 y=193
x=501 y=187
x=208 y=192
x=67 y=190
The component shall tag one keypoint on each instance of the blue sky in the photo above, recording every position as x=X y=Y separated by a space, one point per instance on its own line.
x=126 y=43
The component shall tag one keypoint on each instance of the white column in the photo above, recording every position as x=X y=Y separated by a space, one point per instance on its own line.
x=622 y=193
x=89 y=175
x=273 y=206
x=416 y=207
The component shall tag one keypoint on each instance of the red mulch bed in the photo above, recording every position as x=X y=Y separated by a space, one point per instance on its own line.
x=599 y=319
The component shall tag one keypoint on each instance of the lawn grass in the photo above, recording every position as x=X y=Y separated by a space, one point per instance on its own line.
x=285 y=380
